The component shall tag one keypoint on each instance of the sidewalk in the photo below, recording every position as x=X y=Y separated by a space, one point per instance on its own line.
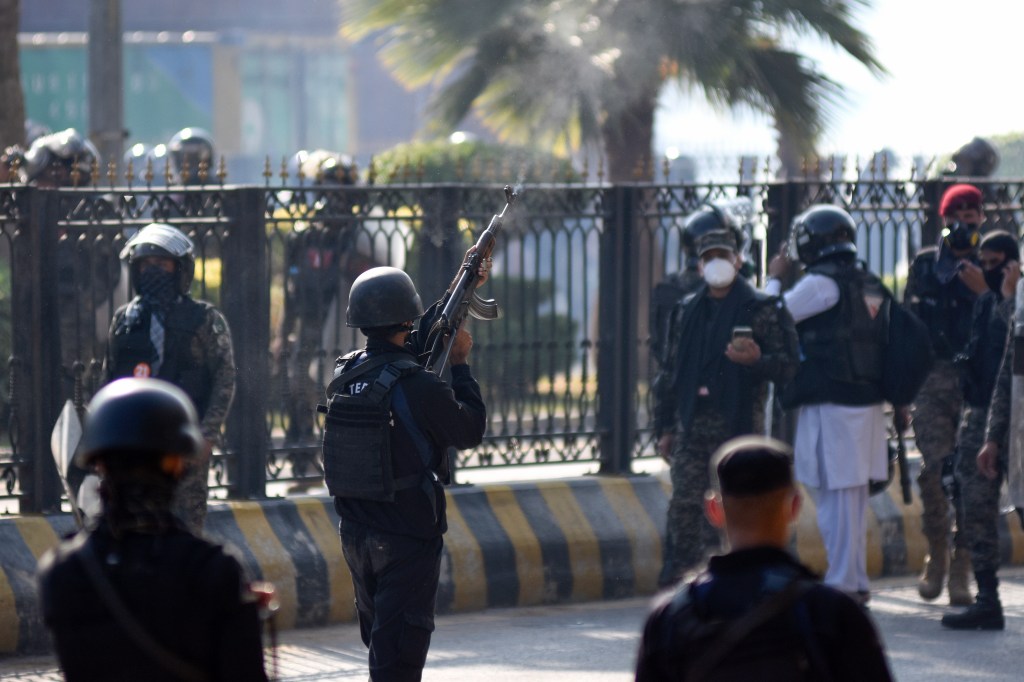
x=596 y=641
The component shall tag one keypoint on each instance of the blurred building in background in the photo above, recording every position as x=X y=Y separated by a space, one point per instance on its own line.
x=264 y=78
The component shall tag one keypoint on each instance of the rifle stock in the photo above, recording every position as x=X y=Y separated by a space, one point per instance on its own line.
x=461 y=298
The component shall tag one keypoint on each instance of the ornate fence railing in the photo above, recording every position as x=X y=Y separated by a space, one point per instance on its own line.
x=565 y=371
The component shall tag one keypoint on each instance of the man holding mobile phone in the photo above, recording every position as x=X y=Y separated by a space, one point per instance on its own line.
x=726 y=342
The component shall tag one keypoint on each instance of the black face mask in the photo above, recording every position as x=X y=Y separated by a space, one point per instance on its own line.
x=157 y=287
x=994 y=278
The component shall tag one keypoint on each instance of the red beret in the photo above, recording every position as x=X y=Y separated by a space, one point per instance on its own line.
x=960 y=197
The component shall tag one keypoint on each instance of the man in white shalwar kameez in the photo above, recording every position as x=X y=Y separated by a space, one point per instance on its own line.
x=839 y=447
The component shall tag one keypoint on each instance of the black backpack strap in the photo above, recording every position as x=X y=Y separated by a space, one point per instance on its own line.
x=772 y=606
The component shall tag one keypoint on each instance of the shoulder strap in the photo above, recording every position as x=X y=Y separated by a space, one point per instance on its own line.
x=343 y=374
x=735 y=631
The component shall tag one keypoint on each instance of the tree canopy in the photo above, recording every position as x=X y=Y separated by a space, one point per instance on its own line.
x=573 y=74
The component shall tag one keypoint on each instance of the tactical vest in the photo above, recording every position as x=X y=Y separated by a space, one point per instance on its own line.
x=944 y=308
x=356 y=446
x=842 y=348
x=134 y=353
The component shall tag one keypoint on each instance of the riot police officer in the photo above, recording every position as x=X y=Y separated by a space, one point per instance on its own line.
x=87 y=270
x=943 y=283
x=191 y=153
x=388 y=425
x=841 y=430
x=726 y=342
x=164 y=333
x=319 y=254
x=677 y=285
x=137 y=596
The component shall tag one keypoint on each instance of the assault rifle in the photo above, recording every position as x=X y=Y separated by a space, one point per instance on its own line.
x=461 y=298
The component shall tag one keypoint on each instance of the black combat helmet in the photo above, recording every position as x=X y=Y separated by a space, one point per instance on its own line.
x=382 y=297
x=188 y=148
x=976 y=159
x=136 y=417
x=63 y=151
x=822 y=231
x=163 y=241
x=706 y=219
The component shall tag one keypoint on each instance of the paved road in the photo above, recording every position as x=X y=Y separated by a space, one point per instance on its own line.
x=596 y=643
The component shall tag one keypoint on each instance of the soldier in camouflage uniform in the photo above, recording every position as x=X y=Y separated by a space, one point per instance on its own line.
x=978 y=498
x=713 y=386
x=942 y=286
x=166 y=334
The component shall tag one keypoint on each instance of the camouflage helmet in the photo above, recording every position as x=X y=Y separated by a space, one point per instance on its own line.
x=382 y=297
x=162 y=241
x=822 y=231
x=135 y=416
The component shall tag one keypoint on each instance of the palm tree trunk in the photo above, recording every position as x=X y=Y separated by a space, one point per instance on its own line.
x=12 y=100
x=628 y=137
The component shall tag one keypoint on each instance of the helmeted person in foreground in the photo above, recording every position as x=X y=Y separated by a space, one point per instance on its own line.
x=136 y=596
x=388 y=426
x=756 y=613
x=164 y=333
x=841 y=431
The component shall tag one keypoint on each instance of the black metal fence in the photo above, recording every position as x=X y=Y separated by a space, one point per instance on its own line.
x=565 y=371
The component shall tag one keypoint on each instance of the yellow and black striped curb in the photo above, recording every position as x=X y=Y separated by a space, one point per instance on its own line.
x=519 y=544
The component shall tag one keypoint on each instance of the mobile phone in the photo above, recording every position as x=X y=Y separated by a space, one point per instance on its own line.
x=742 y=333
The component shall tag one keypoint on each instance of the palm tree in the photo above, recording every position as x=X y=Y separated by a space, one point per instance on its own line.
x=12 y=100
x=571 y=74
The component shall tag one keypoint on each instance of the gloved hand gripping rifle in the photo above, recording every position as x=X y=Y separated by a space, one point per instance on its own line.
x=461 y=297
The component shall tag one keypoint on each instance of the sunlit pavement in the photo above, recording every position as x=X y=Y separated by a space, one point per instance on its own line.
x=597 y=641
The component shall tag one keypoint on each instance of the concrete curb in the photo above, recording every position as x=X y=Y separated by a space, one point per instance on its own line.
x=520 y=544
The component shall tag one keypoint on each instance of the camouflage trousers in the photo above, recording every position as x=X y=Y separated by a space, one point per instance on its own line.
x=689 y=535
x=978 y=502
x=936 y=418
x=189 y=503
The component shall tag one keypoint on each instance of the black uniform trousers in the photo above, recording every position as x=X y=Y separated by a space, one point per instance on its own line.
x=395 y=578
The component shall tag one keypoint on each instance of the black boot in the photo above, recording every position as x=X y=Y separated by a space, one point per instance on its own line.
x=986 y=613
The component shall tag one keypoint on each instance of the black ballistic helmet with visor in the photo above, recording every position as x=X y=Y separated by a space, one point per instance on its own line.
x=382 y=297
x=139 y=417
x=822 y=231
x=163 y=241
x=751 y=465
x=707 y=218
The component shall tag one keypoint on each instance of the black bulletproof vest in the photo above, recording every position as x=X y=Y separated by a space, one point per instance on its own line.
x=944 y=308
x=356 y=443
x=842 y=347
x=131 y=345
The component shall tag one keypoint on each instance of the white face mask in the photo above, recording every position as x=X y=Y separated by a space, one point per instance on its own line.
x=719 y=272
